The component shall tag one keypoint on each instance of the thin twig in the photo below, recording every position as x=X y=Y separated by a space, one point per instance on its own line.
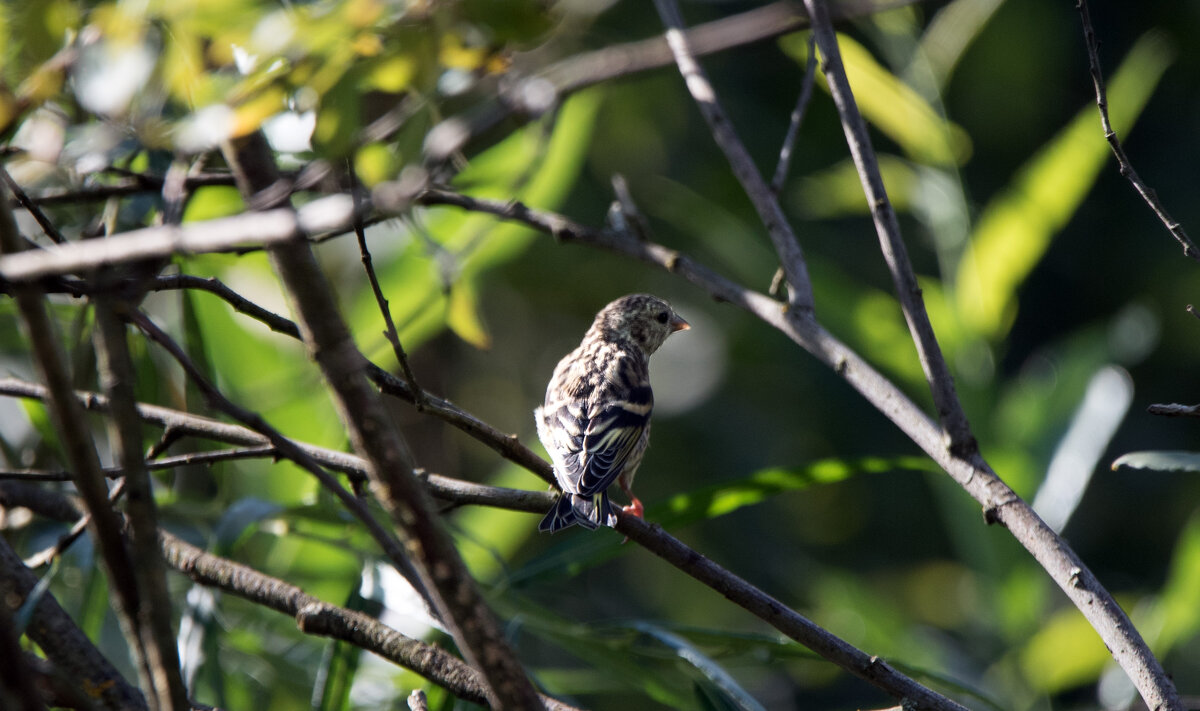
x=1174 y=410
x=179 y=460
x=45 y=556
x=789 y=141
x=908 y=291
x=24 y=201
x=787 y=247
x=390 y=332
x=1110 y=135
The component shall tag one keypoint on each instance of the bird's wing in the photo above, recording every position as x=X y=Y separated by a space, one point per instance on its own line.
x=612 y=435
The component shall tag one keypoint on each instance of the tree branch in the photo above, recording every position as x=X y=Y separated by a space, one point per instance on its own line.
x=908 y=291
x=78 y=445
x=373 y=434
x=154 y=617
x=1110 y=135
x=57 y=634
x=1001 y=504
x=791 y=257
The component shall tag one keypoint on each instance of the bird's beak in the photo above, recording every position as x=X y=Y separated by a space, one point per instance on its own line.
x=678 y=324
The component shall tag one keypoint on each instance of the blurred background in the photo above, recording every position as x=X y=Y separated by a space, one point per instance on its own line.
x=1058 y=298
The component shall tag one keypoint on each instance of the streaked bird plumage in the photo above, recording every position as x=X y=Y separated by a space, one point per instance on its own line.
x=595 y=422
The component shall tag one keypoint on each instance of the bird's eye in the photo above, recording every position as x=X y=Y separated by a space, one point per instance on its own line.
x=662 y=316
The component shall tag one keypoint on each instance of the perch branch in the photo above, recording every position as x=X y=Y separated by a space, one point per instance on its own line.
x=654 y=538
x=1000 y=503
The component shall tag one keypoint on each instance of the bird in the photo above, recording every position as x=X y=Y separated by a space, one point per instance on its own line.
x=595 y=421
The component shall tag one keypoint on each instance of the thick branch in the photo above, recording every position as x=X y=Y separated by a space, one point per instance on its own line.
x=59 y=638
x=390 y=467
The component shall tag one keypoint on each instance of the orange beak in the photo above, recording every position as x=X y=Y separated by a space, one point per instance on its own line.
x=678 y=324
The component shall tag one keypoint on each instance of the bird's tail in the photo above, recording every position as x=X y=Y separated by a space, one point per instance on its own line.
x=572 y=509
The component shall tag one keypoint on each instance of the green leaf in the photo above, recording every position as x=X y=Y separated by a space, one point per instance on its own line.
x=891 y=105
x=1017 y=226
x=727 y=497
x=211 y=202
x=1160 y=460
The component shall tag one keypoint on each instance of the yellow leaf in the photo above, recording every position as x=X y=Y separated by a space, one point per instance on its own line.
x=463 y=315
x=891 y=105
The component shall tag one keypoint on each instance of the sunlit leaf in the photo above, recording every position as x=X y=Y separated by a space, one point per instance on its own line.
x=1017 y=226
x=891 y=105
x=1065 y=652
x=727 y=497
x=463 y=315
x=1175 y=616
x=213 y=201
x=837 y=191
x=375 y=163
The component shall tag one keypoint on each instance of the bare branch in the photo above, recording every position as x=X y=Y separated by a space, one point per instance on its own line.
x=1001 y=504
x=937 y=373
x=1174 y=410
x=333 y=213
x=390 y=332
x=1110 y=135
x=24 y=201
x=791 y=257
x=154 y=618
x=789 y=141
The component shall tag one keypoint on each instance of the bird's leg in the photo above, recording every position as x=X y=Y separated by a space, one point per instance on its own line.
x=635 y=507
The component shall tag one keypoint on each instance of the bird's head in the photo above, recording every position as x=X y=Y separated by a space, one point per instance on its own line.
x=641 y=318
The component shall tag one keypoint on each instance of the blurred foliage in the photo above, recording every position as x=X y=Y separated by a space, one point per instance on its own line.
x=1038 y=264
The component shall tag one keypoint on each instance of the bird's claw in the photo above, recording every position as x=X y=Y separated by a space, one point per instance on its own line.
x=634 y=509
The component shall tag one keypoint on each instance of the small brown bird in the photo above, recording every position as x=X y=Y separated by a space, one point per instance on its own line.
x=595 y=422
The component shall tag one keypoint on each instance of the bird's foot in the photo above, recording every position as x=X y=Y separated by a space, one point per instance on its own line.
x=634 y=509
